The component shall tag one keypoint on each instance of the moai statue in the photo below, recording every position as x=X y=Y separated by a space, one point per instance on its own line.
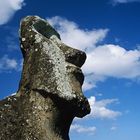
x=49 y=94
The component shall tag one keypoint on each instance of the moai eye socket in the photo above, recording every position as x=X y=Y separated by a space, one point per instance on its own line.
x=44 y=28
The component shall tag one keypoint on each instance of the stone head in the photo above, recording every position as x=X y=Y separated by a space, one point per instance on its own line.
x=50 y=65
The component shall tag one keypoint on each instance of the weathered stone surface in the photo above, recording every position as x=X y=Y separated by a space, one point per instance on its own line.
x=49 y=94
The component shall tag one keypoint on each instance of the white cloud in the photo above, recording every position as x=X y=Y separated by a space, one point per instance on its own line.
x=13 y=94
x=113 y=61
x=99 y=109
x=12 y=39
x=82 y=129
x=103 y=61
x=7 y=63
x=99 y=94
x=11 y=43
x=110 y=61
x=113 y=128
x=91 y=80
x=8 y=8
x=123 y=1
x=78 y=38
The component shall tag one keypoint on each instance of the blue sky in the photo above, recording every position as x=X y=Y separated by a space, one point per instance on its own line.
x=108 y=30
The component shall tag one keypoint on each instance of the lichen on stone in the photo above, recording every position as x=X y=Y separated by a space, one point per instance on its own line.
x=50 y=93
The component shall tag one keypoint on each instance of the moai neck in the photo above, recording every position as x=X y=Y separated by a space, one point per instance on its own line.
x=48 y=119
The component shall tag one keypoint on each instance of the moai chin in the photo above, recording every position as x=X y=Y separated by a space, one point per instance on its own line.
x=50 y=93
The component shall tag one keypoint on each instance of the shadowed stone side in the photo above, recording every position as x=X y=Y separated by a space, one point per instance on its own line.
x=49 y=94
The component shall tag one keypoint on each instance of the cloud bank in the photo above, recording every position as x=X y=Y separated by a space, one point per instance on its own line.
x=102 y=109
x=7 y=63
x=103 y=61
x=8 y=9
x=123 y=1
x=99 y=109
x=83 y=129
x=78 y=38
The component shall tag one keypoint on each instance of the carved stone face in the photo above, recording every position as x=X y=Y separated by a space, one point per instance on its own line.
x=50 y=65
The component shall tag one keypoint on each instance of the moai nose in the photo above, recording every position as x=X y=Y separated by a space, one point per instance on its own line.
x=74 y=56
